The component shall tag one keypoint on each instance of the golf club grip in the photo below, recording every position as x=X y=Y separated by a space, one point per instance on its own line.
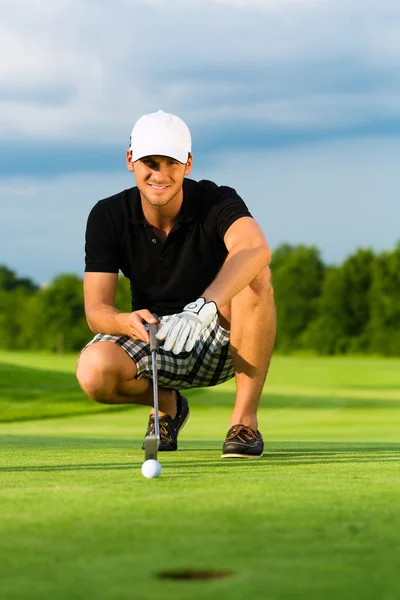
x=153 y=328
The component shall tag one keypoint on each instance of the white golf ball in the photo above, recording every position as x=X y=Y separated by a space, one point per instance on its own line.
x=151 y=468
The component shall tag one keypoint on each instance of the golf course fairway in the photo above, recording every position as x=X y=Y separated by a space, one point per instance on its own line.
x=317 y=517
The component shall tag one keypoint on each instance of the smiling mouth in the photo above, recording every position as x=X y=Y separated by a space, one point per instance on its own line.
x=158 y=187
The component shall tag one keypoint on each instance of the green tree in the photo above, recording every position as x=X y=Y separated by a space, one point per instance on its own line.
x=123 y=300
x=384 y=325
x=30 y=328
x=297 y=275
x=11 y=307
x=15 y=294
x=61 y=317
x=326 y=333
x=344 y=307
x=9 y=281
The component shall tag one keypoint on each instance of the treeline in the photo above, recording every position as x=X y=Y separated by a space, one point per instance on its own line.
x=350 y=308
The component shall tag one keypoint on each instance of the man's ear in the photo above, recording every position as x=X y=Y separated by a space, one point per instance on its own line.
x=129 y=164
x=189 y=164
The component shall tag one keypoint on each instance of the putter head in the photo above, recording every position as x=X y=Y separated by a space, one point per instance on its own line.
x=151 y=443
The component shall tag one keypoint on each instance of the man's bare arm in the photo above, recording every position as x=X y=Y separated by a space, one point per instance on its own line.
x=248 y=255
x=102 y=315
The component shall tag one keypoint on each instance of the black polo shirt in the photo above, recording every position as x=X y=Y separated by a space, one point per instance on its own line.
x=166 y=275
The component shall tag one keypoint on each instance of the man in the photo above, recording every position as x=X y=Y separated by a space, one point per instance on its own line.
x=198 y=263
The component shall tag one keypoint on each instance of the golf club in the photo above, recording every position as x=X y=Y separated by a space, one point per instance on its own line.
x=151 y=442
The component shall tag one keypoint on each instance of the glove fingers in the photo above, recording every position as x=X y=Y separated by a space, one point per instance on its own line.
x=193 y=337
x=173 y=335
x=182 y=331
x=163 y=331
x=182 y=337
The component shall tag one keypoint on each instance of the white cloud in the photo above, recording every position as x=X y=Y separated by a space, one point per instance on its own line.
x=337 y=196
x=270 y=4
x=43 y=221
x=16 y=187
x=81 y=72
x=300 y=113
x=78 y=70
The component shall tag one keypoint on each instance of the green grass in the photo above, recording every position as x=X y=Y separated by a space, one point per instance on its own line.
x=41 y=386
x=317 y=517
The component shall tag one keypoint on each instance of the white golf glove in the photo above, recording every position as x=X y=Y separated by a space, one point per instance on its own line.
x=182 y=330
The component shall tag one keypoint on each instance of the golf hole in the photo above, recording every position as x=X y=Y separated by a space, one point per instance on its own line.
x=194 y=574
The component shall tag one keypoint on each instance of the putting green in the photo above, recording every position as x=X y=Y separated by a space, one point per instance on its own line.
x=317 y=517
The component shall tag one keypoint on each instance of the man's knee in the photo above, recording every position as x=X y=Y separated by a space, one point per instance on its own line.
x=97 y=374
x=93 y=377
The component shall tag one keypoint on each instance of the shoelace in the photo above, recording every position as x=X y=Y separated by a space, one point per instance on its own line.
x=163 y=429
x=243 y=430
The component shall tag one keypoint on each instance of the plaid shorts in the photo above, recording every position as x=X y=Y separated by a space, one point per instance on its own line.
x=208 y=364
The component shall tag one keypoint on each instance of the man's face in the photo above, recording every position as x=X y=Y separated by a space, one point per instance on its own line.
x=159 y=178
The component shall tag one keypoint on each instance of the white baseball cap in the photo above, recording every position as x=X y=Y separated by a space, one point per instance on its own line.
x=162 y=134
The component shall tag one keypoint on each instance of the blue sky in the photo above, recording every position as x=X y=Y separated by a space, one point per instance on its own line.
x=296 y=103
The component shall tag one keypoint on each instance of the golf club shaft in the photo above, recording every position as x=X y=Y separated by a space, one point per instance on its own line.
x=153 y=328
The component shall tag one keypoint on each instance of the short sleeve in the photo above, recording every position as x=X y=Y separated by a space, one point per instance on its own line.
x=226 y=208
x=101 y=247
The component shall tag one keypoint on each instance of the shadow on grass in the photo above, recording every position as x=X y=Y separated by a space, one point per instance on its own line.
x=28 y=394
x=269 y=400
x=31 y=394
x=275 y=455
x=303 y=454
x=43 y=443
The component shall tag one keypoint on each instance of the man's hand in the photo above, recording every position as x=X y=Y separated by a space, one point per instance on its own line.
x=182 y=330
x=132 y=324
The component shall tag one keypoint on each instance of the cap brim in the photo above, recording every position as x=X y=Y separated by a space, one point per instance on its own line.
x=175 y=153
